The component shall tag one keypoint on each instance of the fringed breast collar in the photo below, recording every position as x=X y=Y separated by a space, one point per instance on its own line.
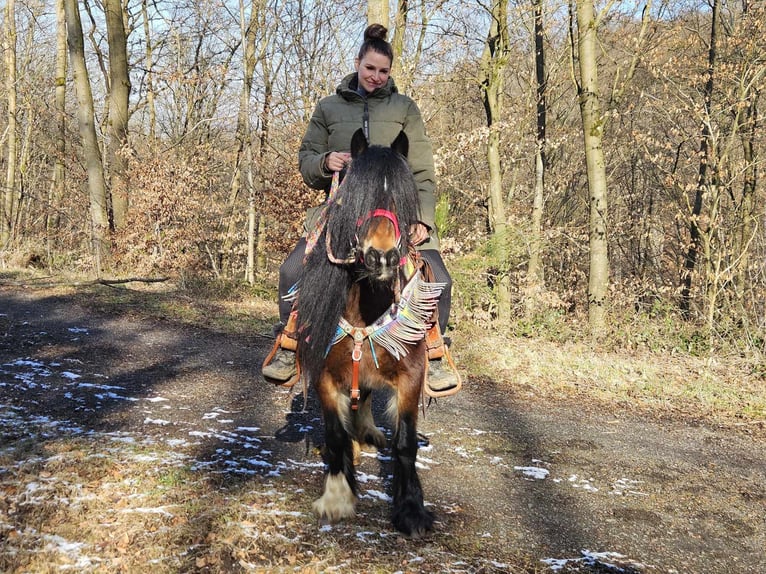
x=404 y=323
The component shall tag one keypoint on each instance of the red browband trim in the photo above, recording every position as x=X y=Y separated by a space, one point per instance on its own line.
x=383 y=213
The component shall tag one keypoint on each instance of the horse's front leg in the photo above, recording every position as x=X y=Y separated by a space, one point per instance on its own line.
x=339 y=495
x=409 y=513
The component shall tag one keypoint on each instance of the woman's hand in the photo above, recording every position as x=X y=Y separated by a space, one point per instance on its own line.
x=418 y=233
x=336 y=161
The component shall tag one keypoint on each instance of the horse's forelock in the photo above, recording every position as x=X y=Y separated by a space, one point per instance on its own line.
x=380 y=178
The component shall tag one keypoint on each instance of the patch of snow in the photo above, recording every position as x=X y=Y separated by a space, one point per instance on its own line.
x=376 y=495
x=608 y=561
x=113 y=396
x=177 y=442
x=161 y=422
x=533 y=472
x=161 y=510
x=99 y=387
x=626 y=486
x=584 y=483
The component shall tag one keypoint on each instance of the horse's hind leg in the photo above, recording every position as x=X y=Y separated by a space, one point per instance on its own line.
x=339 y=495
x=409 y=513
x=365 y=431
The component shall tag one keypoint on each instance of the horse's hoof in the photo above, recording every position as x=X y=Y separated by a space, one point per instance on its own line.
x=413 y=520
x=338 y=500
x=375 y=437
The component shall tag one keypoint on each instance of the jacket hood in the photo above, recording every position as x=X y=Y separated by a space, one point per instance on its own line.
x=348 y=85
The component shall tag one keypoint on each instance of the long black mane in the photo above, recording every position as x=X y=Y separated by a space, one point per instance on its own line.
x=379 y=178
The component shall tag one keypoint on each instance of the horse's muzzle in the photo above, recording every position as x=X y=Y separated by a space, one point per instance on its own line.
x=381 y=265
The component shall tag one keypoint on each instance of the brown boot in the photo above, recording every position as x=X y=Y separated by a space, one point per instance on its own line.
x=282 y=367
x=441 y=377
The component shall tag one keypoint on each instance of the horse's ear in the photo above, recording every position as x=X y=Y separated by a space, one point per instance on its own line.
x=401 y=144
x=358 y=143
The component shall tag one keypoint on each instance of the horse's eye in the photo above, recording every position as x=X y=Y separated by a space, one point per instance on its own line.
x=392 y=257
x=371 y=258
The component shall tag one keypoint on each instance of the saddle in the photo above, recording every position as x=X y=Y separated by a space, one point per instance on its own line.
x=436 y=347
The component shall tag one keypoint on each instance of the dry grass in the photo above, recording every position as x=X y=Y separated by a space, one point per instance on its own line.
x=723 y=390
x=96 y=505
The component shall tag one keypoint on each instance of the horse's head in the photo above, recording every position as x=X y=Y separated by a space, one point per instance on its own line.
x=380 y=181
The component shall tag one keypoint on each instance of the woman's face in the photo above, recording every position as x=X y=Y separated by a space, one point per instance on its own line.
x=373 y=70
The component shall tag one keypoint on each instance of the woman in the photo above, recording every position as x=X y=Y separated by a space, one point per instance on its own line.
x=368 y=98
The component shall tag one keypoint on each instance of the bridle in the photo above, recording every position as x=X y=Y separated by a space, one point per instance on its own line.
x=355 y=254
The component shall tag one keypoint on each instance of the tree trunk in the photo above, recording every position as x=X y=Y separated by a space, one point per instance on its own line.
x=9 y=195
x=397 y=43
x=119 y=94
x=244 y=132
x=86 y=122
x=695 y=232
x=57 y=186
x=593 y=126
x=258 y=173
x=535 y=276
x=377 y=12
x=747 y=215
x=149 y=63
x=494 y=62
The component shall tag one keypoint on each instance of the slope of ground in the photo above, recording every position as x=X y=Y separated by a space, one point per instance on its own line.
x=133 y=441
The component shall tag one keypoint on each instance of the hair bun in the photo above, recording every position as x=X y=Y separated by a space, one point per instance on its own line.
x=375 y=32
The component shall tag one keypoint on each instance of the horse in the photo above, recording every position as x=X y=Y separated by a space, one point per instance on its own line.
x=361 y=327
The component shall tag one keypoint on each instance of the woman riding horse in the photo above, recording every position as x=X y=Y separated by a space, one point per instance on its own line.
x=363 y=310
x=368 y=99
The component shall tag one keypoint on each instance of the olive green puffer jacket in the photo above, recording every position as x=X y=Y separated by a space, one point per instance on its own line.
x=338 y=116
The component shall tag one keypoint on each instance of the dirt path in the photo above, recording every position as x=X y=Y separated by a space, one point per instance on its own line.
x=516 y=485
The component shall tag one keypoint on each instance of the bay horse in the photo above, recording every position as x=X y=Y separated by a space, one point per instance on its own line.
x=361 y=326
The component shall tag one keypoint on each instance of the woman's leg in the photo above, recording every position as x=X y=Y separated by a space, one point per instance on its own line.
x=289 y=273
x=441 y=275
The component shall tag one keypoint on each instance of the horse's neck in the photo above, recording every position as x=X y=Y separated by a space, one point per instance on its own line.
x=366 y=303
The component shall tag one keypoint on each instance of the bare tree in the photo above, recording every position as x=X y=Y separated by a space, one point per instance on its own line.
x=748 y=128
x=56 y=191
x=593 y=131
x=9 y=195
x=92 y=153
x=493 y=64
x=535 y=274
x=248 y=32
x=149 y=64
x=400 y=28
x=690 y=260
x=119 y=95
x=377 y=12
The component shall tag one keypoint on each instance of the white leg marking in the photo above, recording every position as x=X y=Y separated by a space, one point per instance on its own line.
x=337 y=501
